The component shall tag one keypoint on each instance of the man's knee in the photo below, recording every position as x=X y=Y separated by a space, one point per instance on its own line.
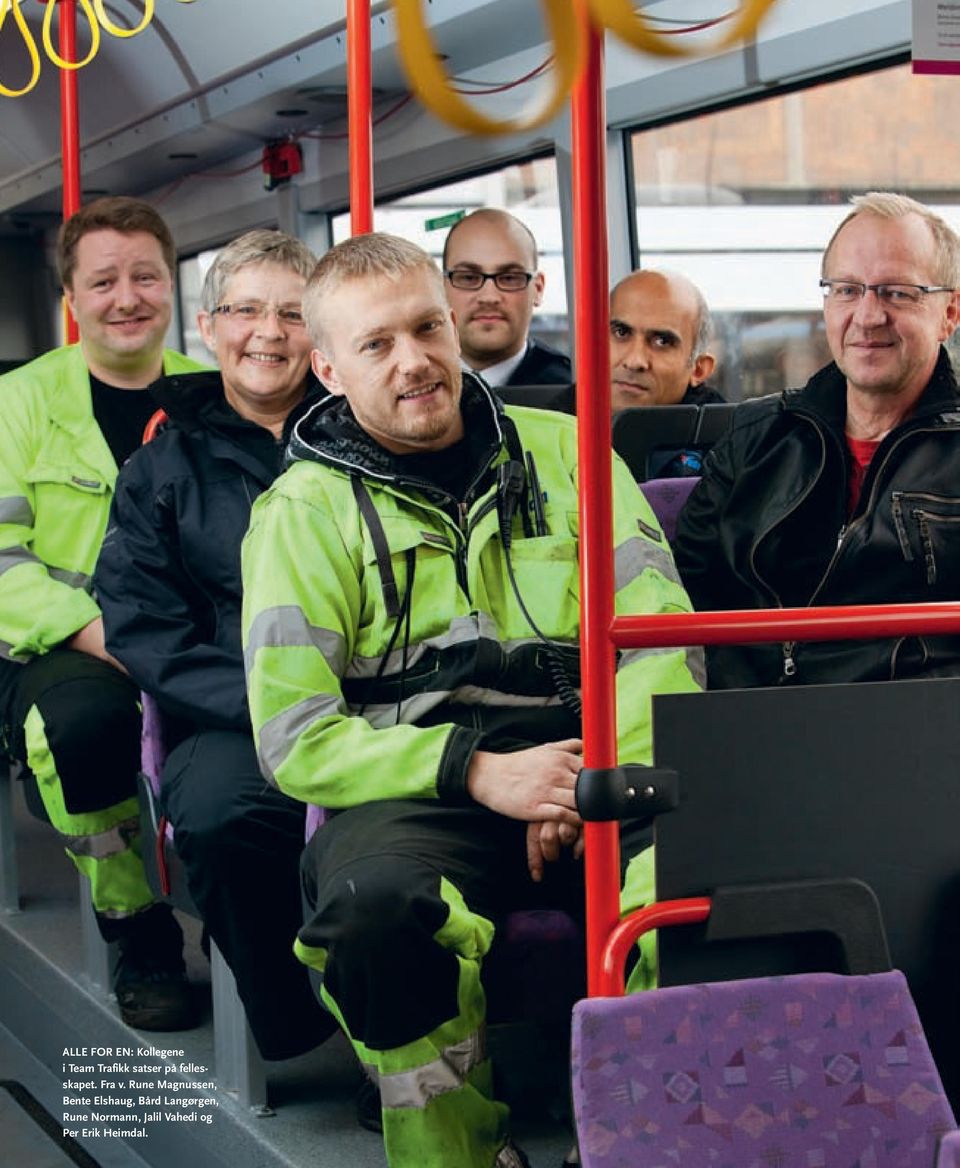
x=378 y=920
x=87 y=731
x=371 y=904
x=219 y=805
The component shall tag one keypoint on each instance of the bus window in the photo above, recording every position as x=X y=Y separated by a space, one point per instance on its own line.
x=744 y=200
x=526 y=189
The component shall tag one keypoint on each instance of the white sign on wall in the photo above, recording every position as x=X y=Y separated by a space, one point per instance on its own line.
x=936 y=36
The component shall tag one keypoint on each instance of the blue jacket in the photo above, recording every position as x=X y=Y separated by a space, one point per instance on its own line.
x=168 y=576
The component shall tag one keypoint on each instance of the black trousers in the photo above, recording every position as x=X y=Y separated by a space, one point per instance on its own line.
x=240 y=841
x=74 y=721
x=92 y=720
x=374 y=879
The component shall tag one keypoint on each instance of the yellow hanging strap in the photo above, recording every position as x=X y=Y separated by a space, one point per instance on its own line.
x=96 y=13
x=118 y=30
x=632 y=27
x=61 y=62
x=7 y=6
x=432 y=84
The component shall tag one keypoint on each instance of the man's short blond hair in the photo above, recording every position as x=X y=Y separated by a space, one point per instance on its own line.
x=362 y=256
x=887 y=205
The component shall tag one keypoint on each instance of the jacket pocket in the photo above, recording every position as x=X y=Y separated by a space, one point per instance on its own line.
x=928 y=530
x=547 y=573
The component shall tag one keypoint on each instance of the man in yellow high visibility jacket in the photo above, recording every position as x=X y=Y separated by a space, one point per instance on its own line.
x=411 y=624
x=67 y=709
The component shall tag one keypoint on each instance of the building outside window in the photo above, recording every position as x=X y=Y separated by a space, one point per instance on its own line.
x=743 y=201
x=527 y=190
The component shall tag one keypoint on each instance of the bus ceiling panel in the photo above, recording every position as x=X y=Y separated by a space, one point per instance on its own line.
x=211 y=87
x=850 y=33
x=164 y=92
x=795 y=42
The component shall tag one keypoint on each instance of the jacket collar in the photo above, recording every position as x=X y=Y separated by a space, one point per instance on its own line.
x=825 y=394
x=329 y=433
x=195 y=401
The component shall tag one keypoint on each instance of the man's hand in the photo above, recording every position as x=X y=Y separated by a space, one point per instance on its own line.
x=535 y=784
x=90 y=640
x=544 y=841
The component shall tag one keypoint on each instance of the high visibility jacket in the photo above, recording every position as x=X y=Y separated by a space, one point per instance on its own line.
x=384 y=640
x=56 y=482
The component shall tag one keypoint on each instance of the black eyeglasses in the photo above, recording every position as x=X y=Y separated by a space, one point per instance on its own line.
x=470 y=280
x=891 y=295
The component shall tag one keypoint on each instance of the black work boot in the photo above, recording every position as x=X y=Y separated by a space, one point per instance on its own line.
x=150 y=977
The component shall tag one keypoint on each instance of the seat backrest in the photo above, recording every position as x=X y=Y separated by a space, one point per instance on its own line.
x=820 y=782
x=667 y=498
x=654 y=437
x=813 y=1069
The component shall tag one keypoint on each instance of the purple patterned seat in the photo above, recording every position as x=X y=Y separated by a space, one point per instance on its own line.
x=667 y=498
x=949 y=1153
x=813 y=1070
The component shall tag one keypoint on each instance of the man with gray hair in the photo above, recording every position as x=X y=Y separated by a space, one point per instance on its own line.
x=168 y=579
x=846 y=491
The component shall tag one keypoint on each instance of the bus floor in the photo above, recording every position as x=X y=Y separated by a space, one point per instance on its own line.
x=50 y=1012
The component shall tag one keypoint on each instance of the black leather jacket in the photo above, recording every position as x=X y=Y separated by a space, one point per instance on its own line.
x=768 y=527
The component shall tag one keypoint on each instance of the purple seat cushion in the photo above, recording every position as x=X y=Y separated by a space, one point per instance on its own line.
x=153 y=751
x=949 y=1153
x=810 y=1071
x=667 y=498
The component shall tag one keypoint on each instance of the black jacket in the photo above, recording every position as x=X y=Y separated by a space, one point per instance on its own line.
x=168 y=576
x=767 y=527
x=702 y=395
x=542 y=365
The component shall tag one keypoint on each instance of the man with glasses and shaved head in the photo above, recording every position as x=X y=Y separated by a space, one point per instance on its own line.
x=846 y=491
x=493 y=286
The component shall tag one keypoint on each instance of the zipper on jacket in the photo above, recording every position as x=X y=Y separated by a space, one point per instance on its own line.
x=789 y=664
x=777 y=602
x=788 y=648
x=871 y=500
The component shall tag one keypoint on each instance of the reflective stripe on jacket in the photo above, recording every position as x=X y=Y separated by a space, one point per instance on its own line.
x=56 y=482
x=430 y=645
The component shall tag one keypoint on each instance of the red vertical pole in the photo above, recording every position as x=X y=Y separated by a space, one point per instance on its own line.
x=596 y=490
x=69 y=128
x=360 y=118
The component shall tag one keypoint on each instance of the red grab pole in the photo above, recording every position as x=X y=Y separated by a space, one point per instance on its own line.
x=760 y=626
x=360 y=117
x=69 y=128
x=602 y=858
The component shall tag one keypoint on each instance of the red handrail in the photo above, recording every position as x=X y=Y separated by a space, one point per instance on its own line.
x=69 y=130
x=690 y=911
x=602 y=856
x=602 y=633
x=360 y=116
x=751 y=626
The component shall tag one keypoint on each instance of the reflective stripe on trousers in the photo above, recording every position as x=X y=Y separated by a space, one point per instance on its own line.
x=436 y=1092
x=105 y=844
